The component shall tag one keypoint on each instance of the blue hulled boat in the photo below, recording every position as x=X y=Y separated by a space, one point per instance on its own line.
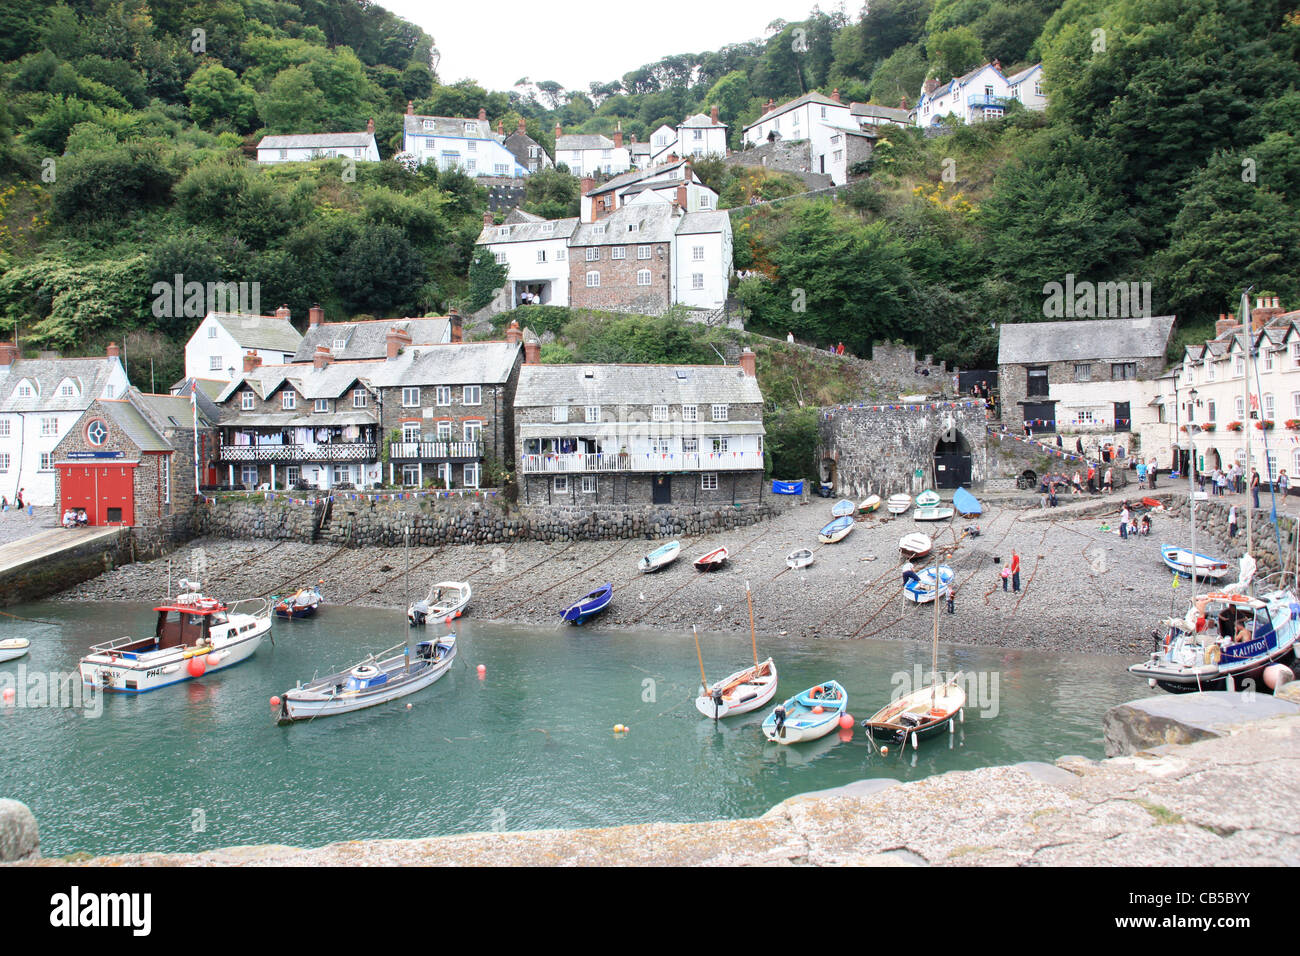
x=589 y=606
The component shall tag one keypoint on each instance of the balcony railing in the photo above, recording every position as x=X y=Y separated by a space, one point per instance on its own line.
x=641 y=461
x=337 y=451
x=983 y=101
x=435 y=450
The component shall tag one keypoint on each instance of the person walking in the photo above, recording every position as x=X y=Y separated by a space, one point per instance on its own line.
x=1232 y=522
x=1254 y=487
x=1015 y=572
x=1110 y=481
x=1078 y=484
x=1151 y=473
x=18 y=499
x=952 y=591
x=1058 y=441
x=1006 y=577
x=1283 y=483
x=789 y=337
x=1078 y=445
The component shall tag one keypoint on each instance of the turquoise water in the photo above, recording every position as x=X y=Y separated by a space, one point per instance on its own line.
x=202 y=765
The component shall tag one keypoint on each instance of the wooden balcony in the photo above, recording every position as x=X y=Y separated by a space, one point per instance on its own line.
x=412 y=451
x=641 y=462
x=328 y=452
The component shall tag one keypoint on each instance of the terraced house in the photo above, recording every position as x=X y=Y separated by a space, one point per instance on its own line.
x=617 y=435
x=421 y=415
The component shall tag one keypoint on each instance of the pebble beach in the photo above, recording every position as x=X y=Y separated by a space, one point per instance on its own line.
x=1083 y=589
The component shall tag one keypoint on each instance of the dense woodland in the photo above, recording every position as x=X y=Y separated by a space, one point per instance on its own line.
x=1168 y=156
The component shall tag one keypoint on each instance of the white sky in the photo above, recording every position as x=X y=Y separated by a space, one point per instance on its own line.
x=574 y=44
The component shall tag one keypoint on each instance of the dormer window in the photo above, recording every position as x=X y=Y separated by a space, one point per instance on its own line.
x=503 y=232
x=27 y=389
x=68 y=389
x=289 y=400
x=246 y=401
x=471 y=128
x=428 y=124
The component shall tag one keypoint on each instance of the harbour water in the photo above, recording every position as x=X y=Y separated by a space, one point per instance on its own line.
x=202 y=765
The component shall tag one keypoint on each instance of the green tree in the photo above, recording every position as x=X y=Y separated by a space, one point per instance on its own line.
x=216 y=95
x=954 y=52
x=380 y=273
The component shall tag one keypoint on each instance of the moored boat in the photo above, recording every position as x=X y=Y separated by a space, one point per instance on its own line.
x=899 y=504
x=915 y=545
x=932 y=513
x=807 y=716
x=748 y=689
x=1179 y=560
x=927 y=499
x=589 y=605
x=660 y=557
x=302 y=603
x=842 y=507
x=966 y=504
x=799 y=558
x=867 y=505
x=837 y=530
x=194 y=635
x=392 y=674
x=446 y=601
x=922 y=590
x=920 y=714
x=713 y=561
x=13 y=648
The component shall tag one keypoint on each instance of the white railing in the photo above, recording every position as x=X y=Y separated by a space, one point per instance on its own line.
x=425 y=450
x=641 y=461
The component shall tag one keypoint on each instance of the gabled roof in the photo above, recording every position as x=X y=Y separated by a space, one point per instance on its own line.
x=636 y=175
x=1023 y=343
x=700 y=121
x=530 y=231
x=450 y=126
x=1013 y=80
x=137 y=427
x=464 y=363
x=258 y=331
x=795 y=103
x=207 y=396
x=655 y=223
x=317 y=141
x=542 y=385
x=882 y=112
x=349 y=341
x=581 y=141
x=519 y=144
x=332 y=381
x=89 y=374
x=703 y=222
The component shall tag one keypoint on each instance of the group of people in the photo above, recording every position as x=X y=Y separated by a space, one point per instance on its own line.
x=530 y=298
x=1128 y=528
x=1232 y=481
x=19 y=504
x=75 y=518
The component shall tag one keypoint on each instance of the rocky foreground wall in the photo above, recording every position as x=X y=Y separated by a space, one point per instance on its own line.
x=359 y=521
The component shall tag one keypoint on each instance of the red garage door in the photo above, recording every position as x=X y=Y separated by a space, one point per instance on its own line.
x=107 y=492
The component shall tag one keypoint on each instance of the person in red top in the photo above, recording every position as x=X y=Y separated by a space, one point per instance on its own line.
x=1015 y=571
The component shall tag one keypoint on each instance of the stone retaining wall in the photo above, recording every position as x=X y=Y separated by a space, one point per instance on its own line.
x=37 y=579
x=366 y=521
x=1212 y=533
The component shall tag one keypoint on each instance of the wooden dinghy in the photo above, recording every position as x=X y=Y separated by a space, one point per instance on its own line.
x=837 y=530
x=747 y=689
x=920 y=714
x=922 y=590
x=966 y=504
x=933 y=513
x=660 y=558
x=303 y=603
x=807 y=716
x=13 y=648
x=927 y=499
x=842 y=507
x=915 y=545
x=799 y=558
x=899 y=504
x=589 y=605
x=447 y=600
x=868 y=505
x=1179 y=560
x=713 y=561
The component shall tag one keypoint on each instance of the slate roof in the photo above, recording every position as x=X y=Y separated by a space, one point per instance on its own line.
x=700 y=222
x=259 y=331
x=635 y=176
x=368 y=339
x=316 y=140
x=655 y=223
x=174 y=411
x=1013 y=80
x=795 y=103
x=209 y=388
x=882 y=112
x=1032 y=342
x=542 y=385
x=519 y=145
x=530 y=231
x=447 y=126
x=332 y=381
x=854 y=131
x=700 y=121
x=89 y=374
x=582 y=141
x=136 y=426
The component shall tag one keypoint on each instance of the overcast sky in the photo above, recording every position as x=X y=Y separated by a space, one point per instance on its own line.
x=497 y=43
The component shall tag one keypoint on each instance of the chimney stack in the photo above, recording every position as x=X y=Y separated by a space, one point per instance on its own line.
x=747 y=362
x=410 y=107
x=835 y=94
x=482 y=113
x=532 y=350
x=282 y=313
x=322 y=357
x=8 y=353
x=457 y=326
x=1223 y=325
x=588 y=184
x=513 y=335
x=672 y=157
x=395 y=340
x=557 y=135
x=315 y=315
x=251 y=361
x=997 y=65
x=501 y=127
x=487 y=217
x=523 y=129
x=713 y=115
x=1264 y=313
x=370 y=126
x=680 y=201
x=618 y=135
x=112 y=351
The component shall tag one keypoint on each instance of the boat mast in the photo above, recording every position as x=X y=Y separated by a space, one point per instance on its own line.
x=753 y=638
x=406 y=589
x=1191 y=497
x=1249 y=327
x=934 y=647
x=703 y=680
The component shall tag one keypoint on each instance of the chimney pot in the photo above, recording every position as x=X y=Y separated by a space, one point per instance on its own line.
x=482 y=113
x=835 y=94
x=523 y=129
x=487 y=217
x=748 y=362
x=513 y=335
x=282 y=313
x=251 y=361
x=410 y=107
x=112 y=351
x=394 y=341
x=618 y=135
x=315 y=315
x=713 y=115
x=370 y=126
x=557 y=132
x=322 y=357
x=532 y=352
x=8 y=353
x=457 y=325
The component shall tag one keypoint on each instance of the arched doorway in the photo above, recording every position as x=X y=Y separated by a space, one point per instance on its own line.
x=952 y=461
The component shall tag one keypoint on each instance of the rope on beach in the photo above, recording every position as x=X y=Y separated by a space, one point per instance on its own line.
x=390 y=579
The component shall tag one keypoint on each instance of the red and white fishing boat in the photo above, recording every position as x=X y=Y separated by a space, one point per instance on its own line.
x=713 y=561
x=194 y=635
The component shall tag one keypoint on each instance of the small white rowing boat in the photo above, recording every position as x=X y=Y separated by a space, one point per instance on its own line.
x=898 y=504
x=915 y=545
x=447 y=601
x=807 y=716
x=932 y=513
x=922 y=590
x=799 y=559
x=1207 y=568
x=837 y=530
x=13 y=648
x=868 y=505
x=660 y=557
x=927 y=499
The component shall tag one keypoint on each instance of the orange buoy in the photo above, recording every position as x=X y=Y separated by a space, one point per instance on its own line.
x=819 y=709
x=846 y=721
x=196 y=667
x=275 y=703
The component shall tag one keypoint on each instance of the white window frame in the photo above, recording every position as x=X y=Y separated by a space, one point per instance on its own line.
x=321 y=405
x=4 y=428
x=690 y=413
x=592 y=413
x=472 y=430
x=618 y=252
x=212 y=331
x=697 y=253
x=593 y=253
x=593 y=280
x=442 y=395
x=214 y=362
x=443 y=430
x=410 y=475
x=559 y=414
x=659 y=413
x=588 y=484
x=560 y=484
x=49 y=427
x=247 y=401
x=708 y=481
x=410 y=432
x=471 y=474
x=643 y=252
x=4 y=461
x=720 y=413
x=643 y=277
x=288 y=400
x=472 y=395
x=697 y=281
x=410 y=396
x=360 y=398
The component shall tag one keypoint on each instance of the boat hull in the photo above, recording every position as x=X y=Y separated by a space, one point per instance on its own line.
x=297 y=612
x=799 y=559
x=298 y=705
x=1179 y=560
x=837 y=530
x=744 y=691
x=579 y=612
x=899 y=504
x=869 y=505
x=929 y=714
x=1214 y=677
x=922 y=591
x=164 y=668
x=660 y=558
x=932 y=514
x=801 y=725
x=13 y=649
x=713 y=561
x=842 y=508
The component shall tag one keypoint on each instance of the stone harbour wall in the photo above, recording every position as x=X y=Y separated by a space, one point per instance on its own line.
x=366 y=521
x=1212 y=535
